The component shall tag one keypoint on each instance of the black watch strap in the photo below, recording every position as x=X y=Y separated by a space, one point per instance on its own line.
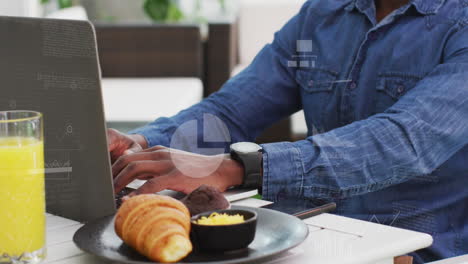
x=252 y=163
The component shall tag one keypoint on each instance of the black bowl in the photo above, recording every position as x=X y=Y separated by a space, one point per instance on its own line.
x=224 y=237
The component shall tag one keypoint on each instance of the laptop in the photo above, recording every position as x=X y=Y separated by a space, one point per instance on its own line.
x=51 y=66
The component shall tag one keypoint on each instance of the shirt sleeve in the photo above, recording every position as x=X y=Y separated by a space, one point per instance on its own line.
x=414 y=137
x=265 y=92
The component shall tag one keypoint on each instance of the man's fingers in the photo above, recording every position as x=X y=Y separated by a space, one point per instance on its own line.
x=136 y=168
x=145 y=177
x=120 y=144
x=113 y=157
x=138 y=148
x=133 y=149
x=112 y=136
x=123 y=161
x=155 y=148
x=155 y=185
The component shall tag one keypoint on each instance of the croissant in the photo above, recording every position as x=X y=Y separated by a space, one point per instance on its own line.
x=156 y=226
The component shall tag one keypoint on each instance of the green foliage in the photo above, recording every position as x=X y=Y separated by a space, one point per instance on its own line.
x=61 y=3
x=174 y=14
x=65 y=3
x=222 y=3
x=163 y=10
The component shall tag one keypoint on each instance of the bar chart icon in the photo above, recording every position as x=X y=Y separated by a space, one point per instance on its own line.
x=303 y=46
x=304 y=58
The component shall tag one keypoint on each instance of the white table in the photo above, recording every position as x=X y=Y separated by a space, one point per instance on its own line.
x=332 y=239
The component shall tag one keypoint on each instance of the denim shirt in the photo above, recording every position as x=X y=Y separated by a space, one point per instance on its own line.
x=386 y=105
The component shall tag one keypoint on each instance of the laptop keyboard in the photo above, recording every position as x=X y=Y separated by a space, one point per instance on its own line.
x=120 y=195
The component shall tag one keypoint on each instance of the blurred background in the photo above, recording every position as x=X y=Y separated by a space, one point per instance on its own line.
x=173 y=52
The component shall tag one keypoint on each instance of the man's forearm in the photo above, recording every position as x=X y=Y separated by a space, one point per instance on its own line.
x=409 y=140
x=262 y=94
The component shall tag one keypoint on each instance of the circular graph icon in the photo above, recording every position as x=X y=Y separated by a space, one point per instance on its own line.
x=209 y=139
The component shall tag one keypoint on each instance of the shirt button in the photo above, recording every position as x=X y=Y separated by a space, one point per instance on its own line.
x=352 y=86
x=400 y=89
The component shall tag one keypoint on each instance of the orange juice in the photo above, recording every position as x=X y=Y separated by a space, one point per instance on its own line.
x=22 y=196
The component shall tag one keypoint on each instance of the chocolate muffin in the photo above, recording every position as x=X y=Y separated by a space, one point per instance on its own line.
x=204 y=199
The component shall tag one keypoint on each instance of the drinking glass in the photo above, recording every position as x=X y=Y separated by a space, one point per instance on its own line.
x=22 y=191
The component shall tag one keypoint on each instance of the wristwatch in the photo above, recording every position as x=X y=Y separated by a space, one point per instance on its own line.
x=250 y=155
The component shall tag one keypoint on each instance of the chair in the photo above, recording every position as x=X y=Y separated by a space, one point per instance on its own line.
x=148 y=71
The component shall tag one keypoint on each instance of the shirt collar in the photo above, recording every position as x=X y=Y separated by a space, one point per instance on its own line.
x=427 y=7
x=424 y=7
x=361 y=5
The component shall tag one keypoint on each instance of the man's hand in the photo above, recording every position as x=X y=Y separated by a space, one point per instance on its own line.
x=175 y=170
x=121 y=144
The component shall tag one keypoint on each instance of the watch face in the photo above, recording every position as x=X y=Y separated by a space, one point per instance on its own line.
x=246 y=147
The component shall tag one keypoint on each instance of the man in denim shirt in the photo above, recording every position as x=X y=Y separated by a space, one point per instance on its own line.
x=384 y=88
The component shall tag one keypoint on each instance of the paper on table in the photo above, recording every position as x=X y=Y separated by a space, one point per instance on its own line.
x=251 y=202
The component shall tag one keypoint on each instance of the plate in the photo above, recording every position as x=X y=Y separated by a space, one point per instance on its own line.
x=276 y=233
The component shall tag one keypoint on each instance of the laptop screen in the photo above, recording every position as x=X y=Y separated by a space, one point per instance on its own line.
x=51 y=66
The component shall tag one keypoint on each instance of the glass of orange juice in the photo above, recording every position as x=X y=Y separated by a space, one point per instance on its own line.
x=22 y=191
